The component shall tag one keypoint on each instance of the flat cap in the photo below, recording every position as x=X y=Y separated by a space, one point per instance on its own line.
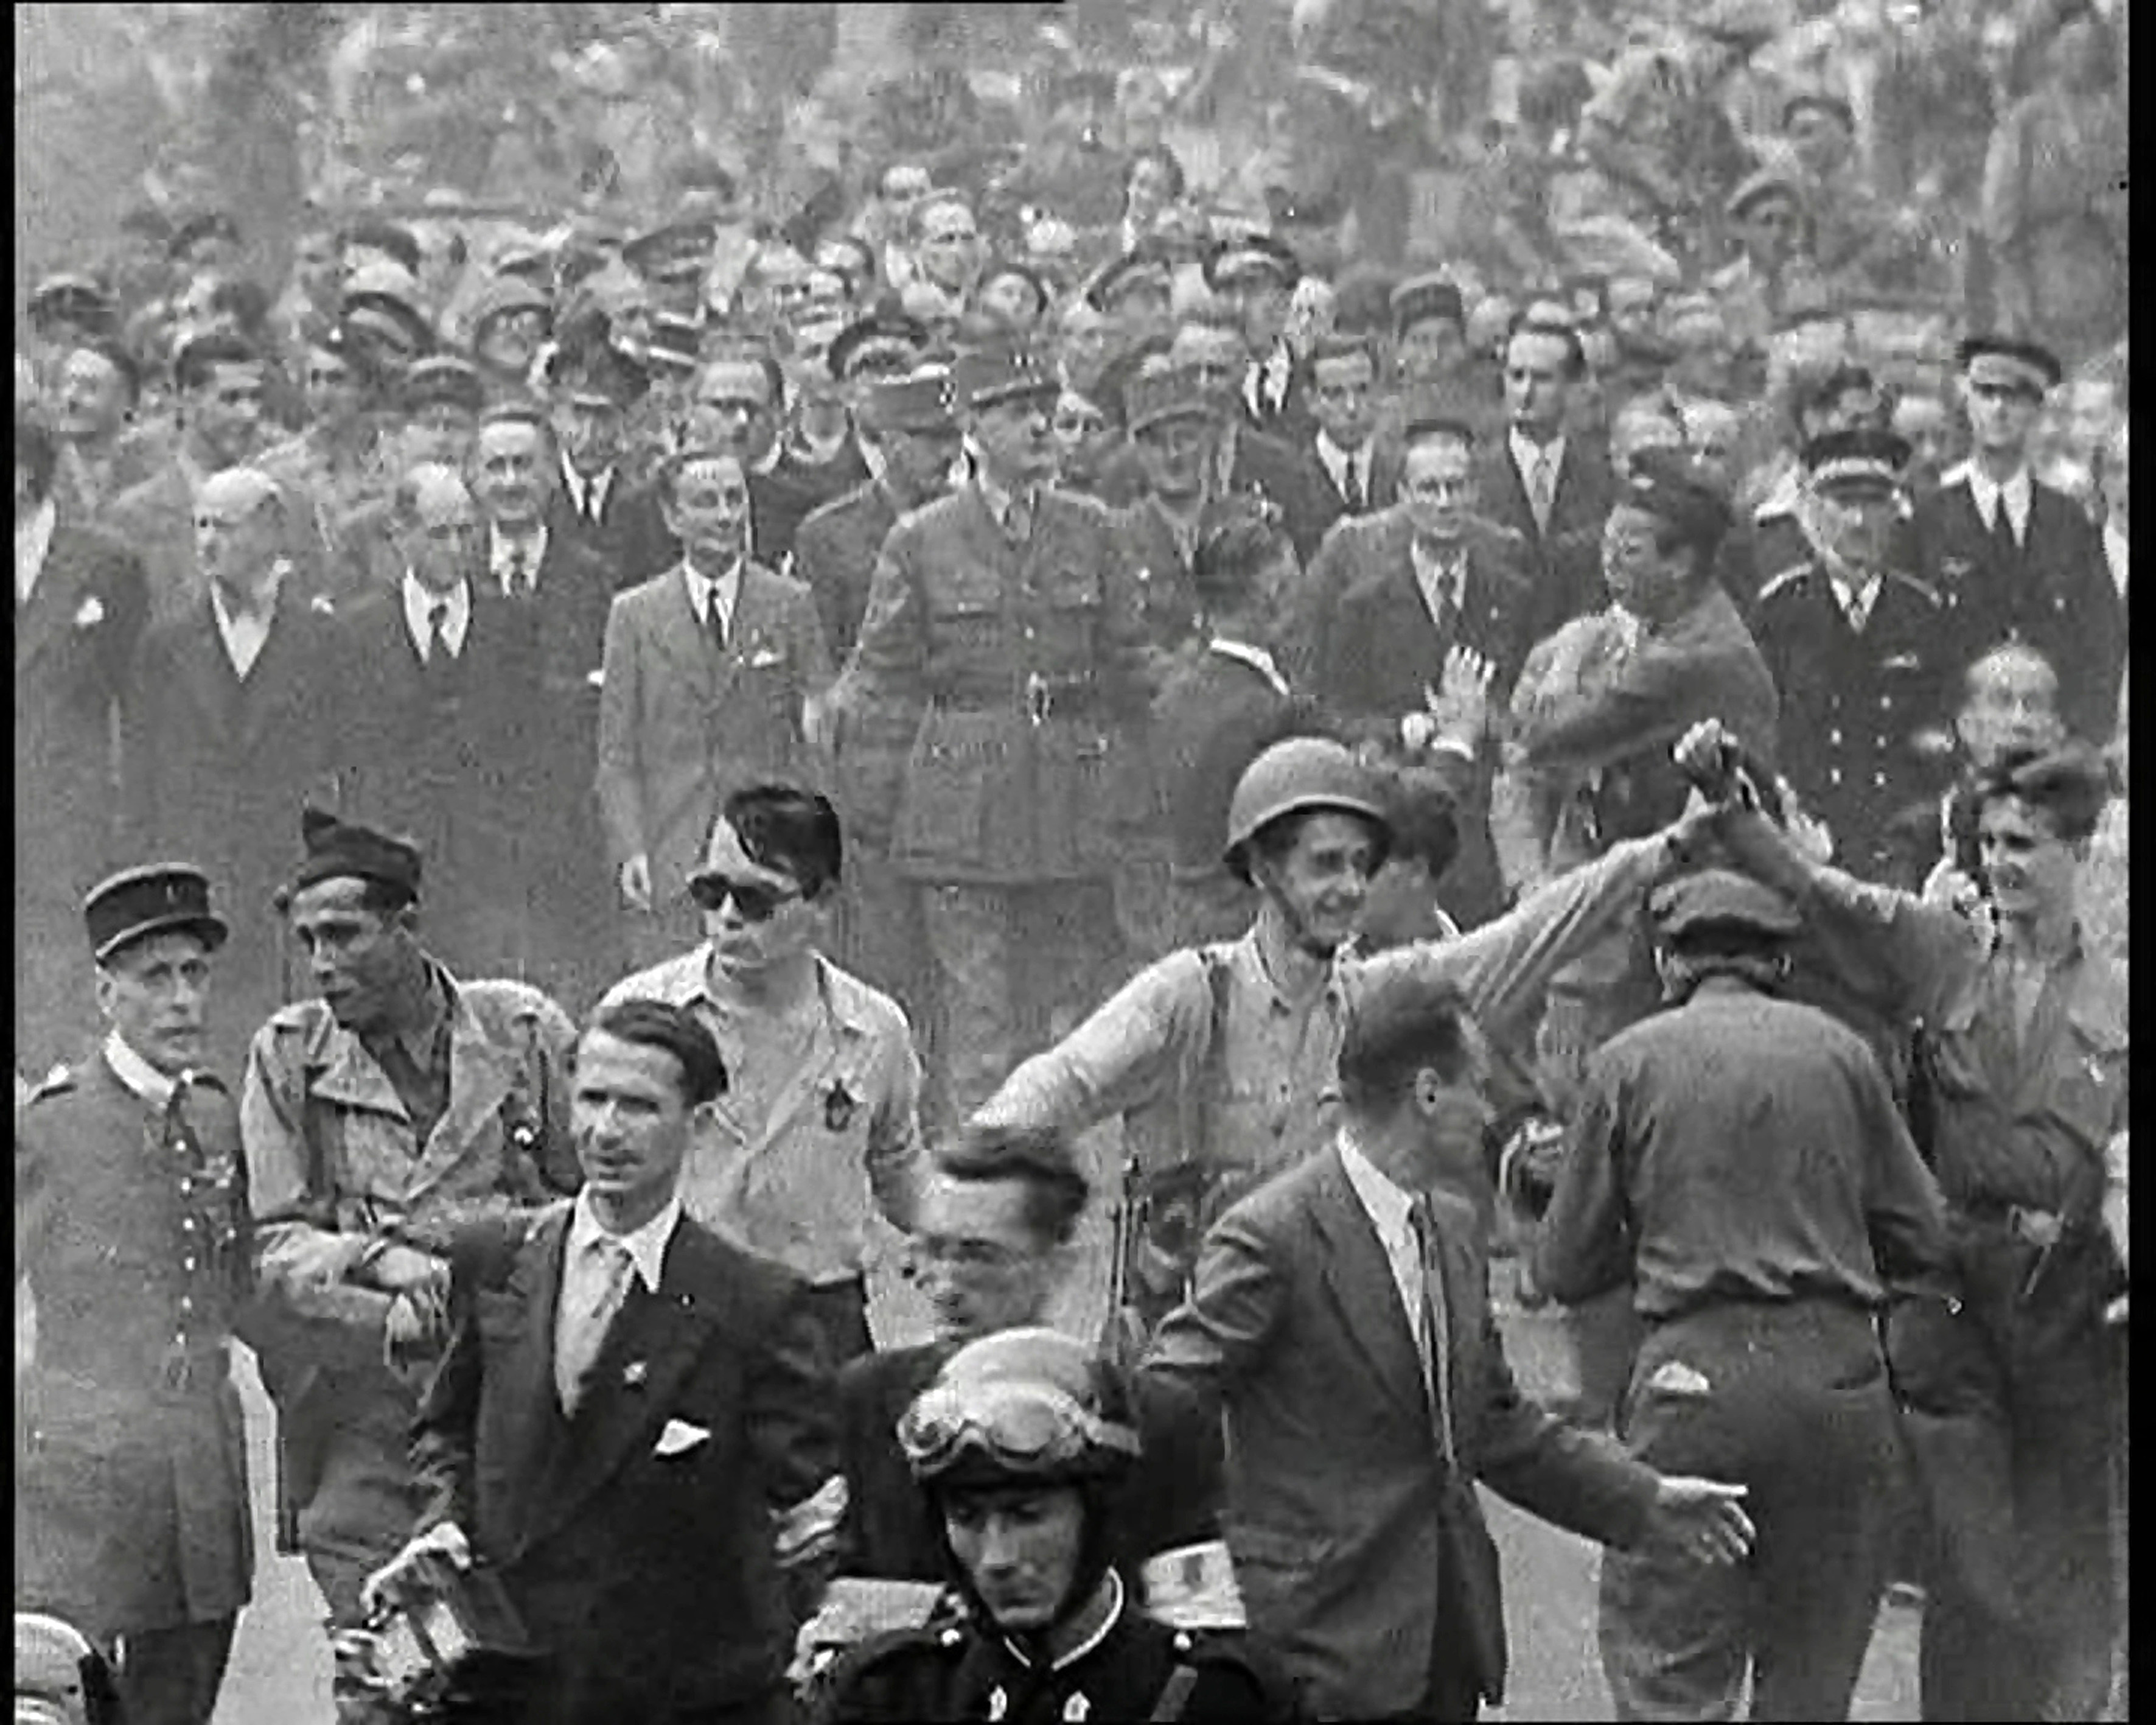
x=443 y=379
x=919 y=401
x=879 y=341
x=1252 y=254
x=1159 y=393
x=1131 y=273
x=338 y=850
x=2009 y=362
x=1720 y=899
x=987 y=376
x=135 y=902
x=1862 y=458
x=1665 y=486
x=1422 y=297
x=1758 y=187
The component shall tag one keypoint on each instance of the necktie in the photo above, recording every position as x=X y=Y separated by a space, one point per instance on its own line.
x=1542 y=490
x=1018 y=519
x=519 y=573
x=438 y=635
x=1359 y=490
x=715 y=619
x=1433 y=1336
x=590 y=1302
x=2003 y=545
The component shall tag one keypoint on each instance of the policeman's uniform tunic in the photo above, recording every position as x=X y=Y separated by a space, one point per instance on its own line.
x=132 y=1505
x=957 y=1672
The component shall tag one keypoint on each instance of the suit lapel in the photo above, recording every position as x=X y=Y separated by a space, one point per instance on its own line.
x=680 y=635
x=206 y=669
x=534 y=1292
x=1361 y=1282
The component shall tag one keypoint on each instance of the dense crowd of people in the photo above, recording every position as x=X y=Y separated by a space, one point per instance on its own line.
x=1481 y=631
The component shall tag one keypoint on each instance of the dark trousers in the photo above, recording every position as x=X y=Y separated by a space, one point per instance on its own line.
x=1797 y=1409
x=171 y=1676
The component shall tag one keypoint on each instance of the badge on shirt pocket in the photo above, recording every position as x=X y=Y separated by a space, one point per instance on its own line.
x=839 y=1106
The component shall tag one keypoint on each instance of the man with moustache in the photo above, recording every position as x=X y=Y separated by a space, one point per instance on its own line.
x=131 y=1518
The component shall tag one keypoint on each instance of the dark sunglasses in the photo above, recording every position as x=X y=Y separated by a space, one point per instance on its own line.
x=757 y=901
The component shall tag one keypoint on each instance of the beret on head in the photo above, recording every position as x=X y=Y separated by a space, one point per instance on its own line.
x=338 y=849
x=1720 y=901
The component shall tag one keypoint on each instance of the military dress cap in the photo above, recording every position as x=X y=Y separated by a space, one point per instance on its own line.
x=919 y=401
x=1161 y=393
x=1420 y=298
x=443 y=379
x=82 y=299
x=1128 y=274
x=2009 y=362
x=1757 y=188
x=987 y=376
x=1863 y=457
x=1720 y=899
x=672 y=250
x=338 y=850
x=505 y=297
x=135 y=902
x=1665 y=486
x=1255 y=254
x=887 y=336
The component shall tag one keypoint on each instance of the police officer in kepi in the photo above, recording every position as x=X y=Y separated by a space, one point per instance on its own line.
x=131 y=1520
x=1023 y=1443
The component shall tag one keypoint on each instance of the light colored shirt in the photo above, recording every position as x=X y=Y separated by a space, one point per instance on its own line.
x=2114 y=556
x=244 y=633
x=646 y=1246
x=706 y=591
x=587 y=492
x=1257 y=658
x=1442 y=579
x=1265 y=385
x=1387 y=1204
x=420 y=604
x=1856 y=600
x=504 y=552
x=2018 y=494
x=138 y=1075
x=802 y=1175
x=34 y=538
x=1539 y=465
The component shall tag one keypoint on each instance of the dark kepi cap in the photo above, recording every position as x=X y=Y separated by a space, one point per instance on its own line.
x=1664 y=485
x=1720 y=899
x=147 y=900
x=918 y=403
x=888 y=334
x=1422 y=297
x=443 y=380
x=983 y=379
x=1259 y=252
x=1861 y=459
x=81 y=298
x=2008 y=362
x=1126 y=275
x=1159 y=393
x=338 y=850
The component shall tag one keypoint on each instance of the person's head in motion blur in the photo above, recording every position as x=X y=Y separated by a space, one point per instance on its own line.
x=993 y=1234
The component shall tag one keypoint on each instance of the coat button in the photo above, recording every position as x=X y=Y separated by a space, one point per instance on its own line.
x=187 y=1263
x=186 y=1305
x=1835 y=737
x=1879 y=779
x=1833 y=775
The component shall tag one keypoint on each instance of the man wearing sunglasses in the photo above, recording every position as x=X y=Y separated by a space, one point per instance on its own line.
x=810 y=1158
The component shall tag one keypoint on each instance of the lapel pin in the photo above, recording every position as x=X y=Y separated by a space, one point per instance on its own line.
x=998 y=1706
x=839 y=1106
x=1077 y=1710
x=633 y=1374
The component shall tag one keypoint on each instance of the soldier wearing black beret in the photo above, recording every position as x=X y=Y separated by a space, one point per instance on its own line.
x=132 y=1517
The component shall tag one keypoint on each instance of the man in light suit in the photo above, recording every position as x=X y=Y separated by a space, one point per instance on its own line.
x=706 y=673
x=631 y=1423
x=1341 y=1318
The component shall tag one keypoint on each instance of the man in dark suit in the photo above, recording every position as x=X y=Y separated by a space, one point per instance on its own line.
x=708 y=671
x=1553 y=488
x=599 y=505
x=1350 y=1514
x=1362 y=474
x=1257 y=278
x=558 y=591
x=630 y=1422
x=2010 y=557
x=735 y=405
x=436 y=694
x=81 y=602
x=1391 y=595
x=225 y=728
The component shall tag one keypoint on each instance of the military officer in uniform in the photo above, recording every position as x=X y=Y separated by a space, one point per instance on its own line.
x=1858 y=650
x=1003 y=658
x=377 y=1118
x=1021 y=1446
x=131 y=1497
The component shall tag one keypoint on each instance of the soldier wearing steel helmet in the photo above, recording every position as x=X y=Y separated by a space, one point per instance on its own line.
x=1221 y=1058
x=1022 y=1445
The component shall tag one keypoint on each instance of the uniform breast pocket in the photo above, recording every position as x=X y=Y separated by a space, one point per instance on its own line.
x=2088 y=1089
x=967 y=610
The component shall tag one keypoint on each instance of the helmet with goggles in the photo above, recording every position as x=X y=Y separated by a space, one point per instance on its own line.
x=1021 y=1407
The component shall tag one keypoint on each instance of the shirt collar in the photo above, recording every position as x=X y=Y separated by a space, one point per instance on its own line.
x=138 y=1075
x=498 y=544
x=264 y=607
x=34 y=539
x=1430 y=559
x=1527 y=451
x=1338 y=459
x=1388 y=1202
x=2018 y=494
x=418 y=602
x=998 y=500
x=646 y=1246
x=1108 y=1623
x=1257 y=658
x=703 y=589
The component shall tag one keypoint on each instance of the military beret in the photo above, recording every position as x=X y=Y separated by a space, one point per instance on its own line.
x=135 y=902
x=503 y=297
x=338 y=850
x=890 y=335
x=1758 y=187
x=201 y=226
x=1665 y=486
x=1422 y=297
x=1819 y=102
x=443 y=379
x=919 y=401
x=987 y=376
x=673 y=249
x=1133 y=270
x=1159 y=393
x=1255 y=253
x=1720 y=899
x=2009 y=363
x=81 y=299
x=1861 y=458
x=393 y=239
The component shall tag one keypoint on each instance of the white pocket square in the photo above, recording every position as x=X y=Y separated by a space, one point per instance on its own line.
x=764 y=658
x=680 y=1435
